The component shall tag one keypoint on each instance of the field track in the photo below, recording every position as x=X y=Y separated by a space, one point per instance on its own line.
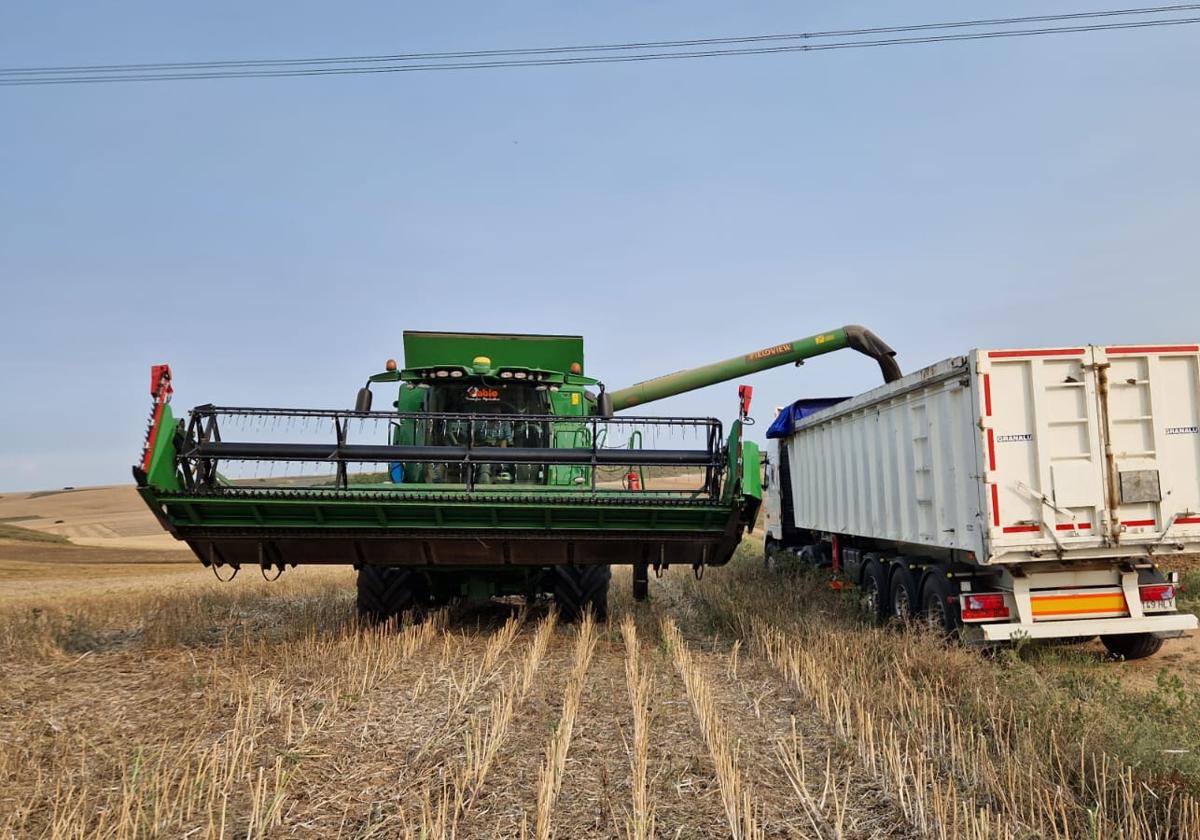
x=746 y=705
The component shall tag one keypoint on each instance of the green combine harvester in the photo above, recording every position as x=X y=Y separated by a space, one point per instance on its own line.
x=501 y=469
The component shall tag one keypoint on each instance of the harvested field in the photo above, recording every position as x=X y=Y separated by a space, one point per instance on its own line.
x=160 y=703
x=103 y=517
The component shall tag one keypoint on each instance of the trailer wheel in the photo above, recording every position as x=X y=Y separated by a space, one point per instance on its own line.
x=1132 y=645
x=874 y=591
x=580 y=588
x=903 y=601
x=641 y=581
x=386 y=592
x=939 y=606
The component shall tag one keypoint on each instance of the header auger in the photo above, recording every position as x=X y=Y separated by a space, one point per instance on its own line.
x=499 y=470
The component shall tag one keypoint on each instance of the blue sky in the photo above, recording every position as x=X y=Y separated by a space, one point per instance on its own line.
x=272 y=238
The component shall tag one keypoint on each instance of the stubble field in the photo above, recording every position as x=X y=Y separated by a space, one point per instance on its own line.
x=147 y=700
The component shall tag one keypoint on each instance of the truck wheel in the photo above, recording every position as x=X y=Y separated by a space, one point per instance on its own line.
x=874 y=591
x=1132 y=645
x=641 y=581
x=770 y=546
x=903 y=600
x=939 y=606
x=386 y=592
x=814 y=556
x=580 y=588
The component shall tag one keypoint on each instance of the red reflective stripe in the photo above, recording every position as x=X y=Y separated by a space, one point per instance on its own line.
x=1161 y=348
x=1137 y=523
x=1188 y=520
x=996 y=505
x=1016 y=354
x=987 y=394
x=1069 y=526
x=1021 y=529
x=991 y=450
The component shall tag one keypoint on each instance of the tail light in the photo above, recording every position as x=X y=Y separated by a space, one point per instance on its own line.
x=1158 y=596
x=981 y=606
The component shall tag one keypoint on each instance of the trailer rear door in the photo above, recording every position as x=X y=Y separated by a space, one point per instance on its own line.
x=1042 y=447
x=1090 y=446
x=1152 y=397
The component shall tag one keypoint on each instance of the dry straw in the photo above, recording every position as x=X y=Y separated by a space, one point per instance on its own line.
x=736 y=797
x=554 y=766
x=220 y=774
x=957 y=762
x=639 y=824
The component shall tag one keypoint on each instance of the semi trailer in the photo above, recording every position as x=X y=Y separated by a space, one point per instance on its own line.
x=1004 y=494
x=499 y=468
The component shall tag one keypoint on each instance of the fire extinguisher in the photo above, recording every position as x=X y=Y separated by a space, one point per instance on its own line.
x=633 y=481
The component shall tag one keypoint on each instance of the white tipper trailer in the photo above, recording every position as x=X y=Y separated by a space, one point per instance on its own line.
x=1006 y=493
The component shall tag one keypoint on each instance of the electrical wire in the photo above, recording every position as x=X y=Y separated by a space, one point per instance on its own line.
x=92 y=74
x=832 y=33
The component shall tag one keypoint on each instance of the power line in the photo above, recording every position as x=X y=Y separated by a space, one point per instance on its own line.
x=832 y=33
x=544 y=57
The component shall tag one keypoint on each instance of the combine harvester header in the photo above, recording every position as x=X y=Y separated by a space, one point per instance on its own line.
x=497 y=470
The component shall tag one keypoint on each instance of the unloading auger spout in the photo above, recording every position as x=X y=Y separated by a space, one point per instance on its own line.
x=851 y=336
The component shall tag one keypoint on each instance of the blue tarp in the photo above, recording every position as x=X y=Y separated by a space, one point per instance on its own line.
x=786 y=420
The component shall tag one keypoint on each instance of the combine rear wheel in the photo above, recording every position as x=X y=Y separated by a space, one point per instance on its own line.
x=580 y=588
x=388 y=591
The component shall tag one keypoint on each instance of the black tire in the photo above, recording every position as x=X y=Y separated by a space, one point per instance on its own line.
x=386 y=592
x=814 y=555
x=1132 y=645
x=903 y=599
x=770 y=546
x=580 y=588
x=873 y=589
x=444 y=587
x=939 y=606
x=641 y=581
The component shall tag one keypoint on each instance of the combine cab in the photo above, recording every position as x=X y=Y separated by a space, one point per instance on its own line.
x=501 y=469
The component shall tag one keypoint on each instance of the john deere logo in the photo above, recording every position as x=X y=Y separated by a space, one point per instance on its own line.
x=477 y=393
